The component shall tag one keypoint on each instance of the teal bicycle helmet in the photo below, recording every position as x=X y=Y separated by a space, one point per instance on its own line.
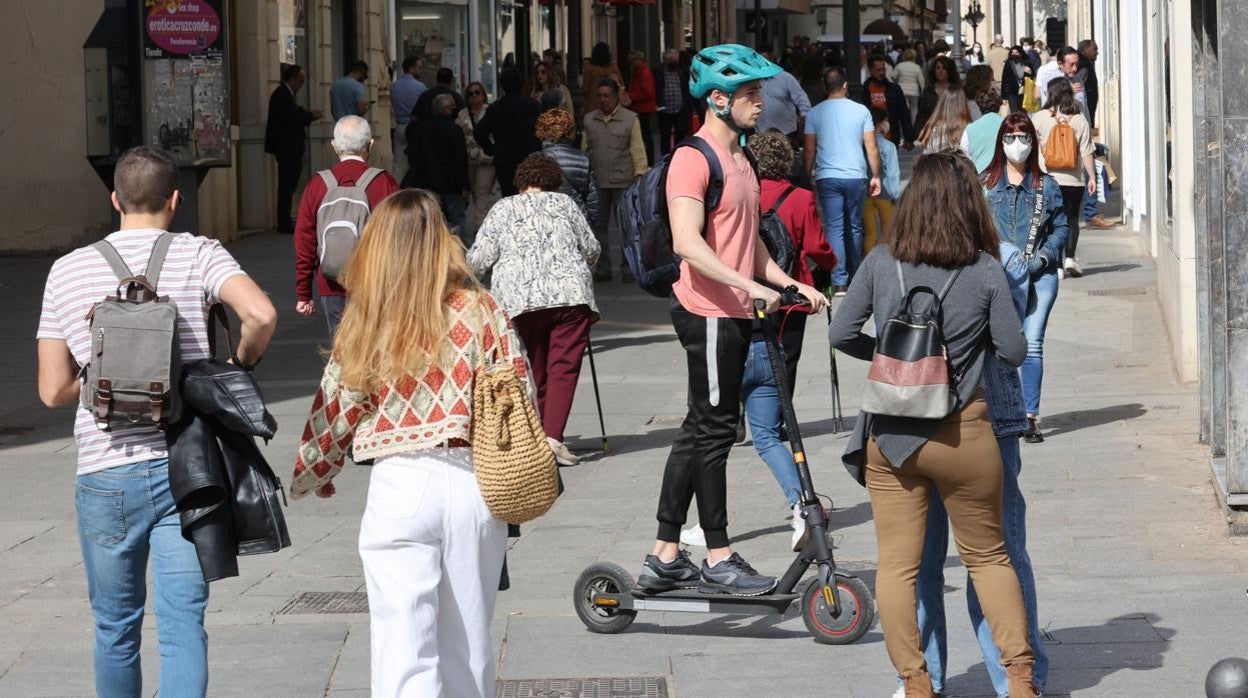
x=726 y=67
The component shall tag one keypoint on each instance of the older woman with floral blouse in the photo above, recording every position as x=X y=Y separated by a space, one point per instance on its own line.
x=541 y=249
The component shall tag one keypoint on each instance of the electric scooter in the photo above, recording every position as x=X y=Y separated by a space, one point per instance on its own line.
x=837 y=608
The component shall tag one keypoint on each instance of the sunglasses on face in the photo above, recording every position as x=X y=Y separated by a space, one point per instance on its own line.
x=475 y=93
x=1016 y=137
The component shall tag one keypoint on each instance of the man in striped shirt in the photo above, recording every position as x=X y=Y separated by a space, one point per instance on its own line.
x=125 y=509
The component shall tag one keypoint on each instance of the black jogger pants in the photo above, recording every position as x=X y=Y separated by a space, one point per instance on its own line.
x=716 y=350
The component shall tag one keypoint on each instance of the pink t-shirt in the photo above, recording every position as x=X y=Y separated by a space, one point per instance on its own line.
x=731 y=229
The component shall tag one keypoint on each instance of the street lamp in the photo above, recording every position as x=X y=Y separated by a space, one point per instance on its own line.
x=973 y=17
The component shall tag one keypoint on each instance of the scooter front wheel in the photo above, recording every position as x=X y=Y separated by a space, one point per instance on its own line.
x=597 y=579
x=856 y=613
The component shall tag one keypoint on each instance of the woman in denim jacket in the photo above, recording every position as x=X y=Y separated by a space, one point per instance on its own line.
x=1012 y=181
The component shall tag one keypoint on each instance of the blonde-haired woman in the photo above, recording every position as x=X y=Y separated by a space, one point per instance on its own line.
x=943 y=131
x=398 y=390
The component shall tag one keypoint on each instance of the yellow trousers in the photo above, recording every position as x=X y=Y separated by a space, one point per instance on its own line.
x=877 y=215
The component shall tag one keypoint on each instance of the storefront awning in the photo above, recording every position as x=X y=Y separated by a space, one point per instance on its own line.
x=885 y=26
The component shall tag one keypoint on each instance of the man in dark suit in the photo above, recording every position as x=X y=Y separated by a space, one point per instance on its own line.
x=285 y=133
x=506 y=130
x=438 y=151
x=671 y=90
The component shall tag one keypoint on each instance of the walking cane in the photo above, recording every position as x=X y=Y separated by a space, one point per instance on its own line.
x=838 y=421
x=593 y=373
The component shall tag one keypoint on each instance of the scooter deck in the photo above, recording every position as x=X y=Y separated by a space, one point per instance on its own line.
x=693 y=600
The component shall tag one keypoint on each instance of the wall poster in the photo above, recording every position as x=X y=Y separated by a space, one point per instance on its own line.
x=186 y=80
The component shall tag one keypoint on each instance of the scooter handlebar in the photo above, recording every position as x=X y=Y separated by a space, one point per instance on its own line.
x=789 y=296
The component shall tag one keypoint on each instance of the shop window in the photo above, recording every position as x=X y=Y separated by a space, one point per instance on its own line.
x=292 y=43
x=438 y=32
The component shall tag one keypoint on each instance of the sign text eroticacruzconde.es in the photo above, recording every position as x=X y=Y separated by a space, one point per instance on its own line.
x=181 y=28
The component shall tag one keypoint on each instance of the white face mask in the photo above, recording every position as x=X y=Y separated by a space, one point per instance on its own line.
x=1017 y=151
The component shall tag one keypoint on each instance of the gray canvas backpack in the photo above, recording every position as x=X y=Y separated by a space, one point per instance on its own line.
x=340 y=220
x=135 y=366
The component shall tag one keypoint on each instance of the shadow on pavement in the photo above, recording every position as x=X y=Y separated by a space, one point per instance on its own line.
x=1066 y=422
x=1129 y=266
x=606 y=344
x=1134 y=641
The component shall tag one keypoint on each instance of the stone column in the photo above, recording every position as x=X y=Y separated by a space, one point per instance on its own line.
x=1222 y=201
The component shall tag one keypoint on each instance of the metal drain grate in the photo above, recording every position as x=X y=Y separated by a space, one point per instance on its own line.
x=606 y=687
x=327 y=602
x=1120 y=292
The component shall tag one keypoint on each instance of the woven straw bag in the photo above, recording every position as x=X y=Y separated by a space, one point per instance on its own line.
x=515 y=466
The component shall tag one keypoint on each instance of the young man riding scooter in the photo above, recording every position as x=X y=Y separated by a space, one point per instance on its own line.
x=711 y=310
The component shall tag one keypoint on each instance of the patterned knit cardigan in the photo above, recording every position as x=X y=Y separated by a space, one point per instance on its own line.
x=415 y=412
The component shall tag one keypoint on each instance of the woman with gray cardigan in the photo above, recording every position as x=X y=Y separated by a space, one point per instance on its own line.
x=941 y=225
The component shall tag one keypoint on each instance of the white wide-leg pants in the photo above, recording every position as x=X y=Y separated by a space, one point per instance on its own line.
x=432 y=556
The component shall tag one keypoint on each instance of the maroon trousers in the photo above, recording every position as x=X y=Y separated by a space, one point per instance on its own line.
x=555 y=340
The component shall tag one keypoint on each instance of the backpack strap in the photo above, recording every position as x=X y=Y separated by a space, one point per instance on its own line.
x=328 y=178
x=156 y=261
x=944 y=291
x=940 y=298
x=715 y=186
x=780 y=201
x=115 y=262
x=367 y=178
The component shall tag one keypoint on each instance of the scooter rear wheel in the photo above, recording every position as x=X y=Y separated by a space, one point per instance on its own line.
x=857 y=611
x=603 y=578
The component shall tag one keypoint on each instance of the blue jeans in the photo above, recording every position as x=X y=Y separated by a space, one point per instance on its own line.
x=842 y=202
x=1089 y=204
x=334 y=306
x=762 y=410
x=931 y=582
x=125 y=515
x=1040 y=300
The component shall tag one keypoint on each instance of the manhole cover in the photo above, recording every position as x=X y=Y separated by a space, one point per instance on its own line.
x=607 y=687
x=327 y=602
x=1119 y=292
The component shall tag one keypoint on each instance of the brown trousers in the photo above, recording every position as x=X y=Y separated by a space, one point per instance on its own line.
x=963 y=463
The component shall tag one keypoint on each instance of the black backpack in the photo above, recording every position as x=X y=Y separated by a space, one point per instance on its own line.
x=776 y=236
x=646 y=232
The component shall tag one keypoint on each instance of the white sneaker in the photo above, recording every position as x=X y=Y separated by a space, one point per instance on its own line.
x=562 y=455
x=1073 y=270
x=901 y=692
x=801 y=532
x=693 y=536
x=1061 y=274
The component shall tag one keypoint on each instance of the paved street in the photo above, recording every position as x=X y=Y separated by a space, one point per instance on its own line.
x=1140 y=588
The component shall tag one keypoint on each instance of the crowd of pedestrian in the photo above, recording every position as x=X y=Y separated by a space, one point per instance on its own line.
x=516 y=189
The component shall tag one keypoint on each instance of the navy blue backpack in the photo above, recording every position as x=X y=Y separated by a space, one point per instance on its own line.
x=646 y=233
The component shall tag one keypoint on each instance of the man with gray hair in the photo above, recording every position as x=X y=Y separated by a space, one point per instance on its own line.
x=353 y=142
x=438 y=152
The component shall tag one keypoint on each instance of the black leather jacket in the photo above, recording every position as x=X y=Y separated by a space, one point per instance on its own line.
x=226 y=493
x=578 y=176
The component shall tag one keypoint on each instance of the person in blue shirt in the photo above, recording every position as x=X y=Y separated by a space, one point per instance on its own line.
x=404 y=93
x=879 y=210
x=838 y=131
x=347 y=96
